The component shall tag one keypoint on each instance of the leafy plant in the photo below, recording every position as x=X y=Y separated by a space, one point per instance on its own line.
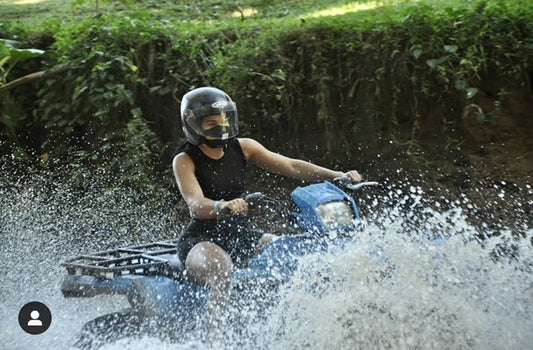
x=10 y=112
x=11 y=54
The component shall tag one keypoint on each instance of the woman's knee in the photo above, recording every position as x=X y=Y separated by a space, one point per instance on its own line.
x=207 y=261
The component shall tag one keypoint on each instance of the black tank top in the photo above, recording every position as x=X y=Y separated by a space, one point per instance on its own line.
x=223 y=178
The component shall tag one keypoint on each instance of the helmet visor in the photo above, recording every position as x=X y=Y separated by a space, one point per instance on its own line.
x=224 y=126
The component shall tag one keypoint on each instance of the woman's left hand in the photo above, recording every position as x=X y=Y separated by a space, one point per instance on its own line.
x=353 y=175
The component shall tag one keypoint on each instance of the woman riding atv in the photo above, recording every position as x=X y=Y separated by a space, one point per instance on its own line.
x=210 y=172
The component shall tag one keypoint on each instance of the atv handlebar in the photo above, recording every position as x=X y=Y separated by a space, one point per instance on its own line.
x=255 y=201
x=346 y=182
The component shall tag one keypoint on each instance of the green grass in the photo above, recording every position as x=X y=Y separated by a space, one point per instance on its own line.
x=35 y=12
x=38 y=13
x=47 y=15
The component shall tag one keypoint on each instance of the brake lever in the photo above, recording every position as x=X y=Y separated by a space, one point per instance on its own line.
x=346 y=182
x=257 y=199
x=355 y=187
x=254 y=201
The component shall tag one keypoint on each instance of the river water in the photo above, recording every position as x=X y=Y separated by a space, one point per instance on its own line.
x=423 y=275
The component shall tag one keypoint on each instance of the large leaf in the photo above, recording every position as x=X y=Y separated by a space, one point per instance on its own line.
x=8 y=48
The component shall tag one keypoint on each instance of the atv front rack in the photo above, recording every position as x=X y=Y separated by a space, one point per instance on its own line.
x=146 y=259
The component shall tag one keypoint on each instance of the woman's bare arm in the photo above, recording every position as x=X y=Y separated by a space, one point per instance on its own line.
x=257 y=154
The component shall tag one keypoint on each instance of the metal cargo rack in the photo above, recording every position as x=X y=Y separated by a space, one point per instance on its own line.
x=144 y=259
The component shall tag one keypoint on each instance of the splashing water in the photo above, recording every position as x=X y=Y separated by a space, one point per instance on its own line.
x=405 y=294
x=44 y=221
x=421 y=276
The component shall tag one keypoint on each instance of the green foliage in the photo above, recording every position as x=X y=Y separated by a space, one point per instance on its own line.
x=10 y=112
x=130 y=154
x=110 y=66
x=11 y=55
x=351 y=70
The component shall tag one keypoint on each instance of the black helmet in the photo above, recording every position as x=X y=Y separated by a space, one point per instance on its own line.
x=203 y=102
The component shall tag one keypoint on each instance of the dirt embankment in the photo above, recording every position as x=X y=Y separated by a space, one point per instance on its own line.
x=492 y=166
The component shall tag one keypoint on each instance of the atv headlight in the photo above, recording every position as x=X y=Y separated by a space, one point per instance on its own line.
x=336 y=214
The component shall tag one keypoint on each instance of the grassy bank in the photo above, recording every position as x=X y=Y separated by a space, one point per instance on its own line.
x=425 y=78
x=34 y=11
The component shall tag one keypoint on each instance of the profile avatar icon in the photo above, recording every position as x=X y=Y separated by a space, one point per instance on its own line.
x=35 y=322
x=35 y=318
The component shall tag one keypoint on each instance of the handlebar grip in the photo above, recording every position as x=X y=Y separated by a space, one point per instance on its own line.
x=362 y=184
x=253 y=200
x=224 y=211
x=345 y=181
x=342 y=181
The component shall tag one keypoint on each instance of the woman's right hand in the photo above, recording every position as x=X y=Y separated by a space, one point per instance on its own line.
x=237 y=205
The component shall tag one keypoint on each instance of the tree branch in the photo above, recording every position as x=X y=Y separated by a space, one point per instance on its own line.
x=32 y=76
